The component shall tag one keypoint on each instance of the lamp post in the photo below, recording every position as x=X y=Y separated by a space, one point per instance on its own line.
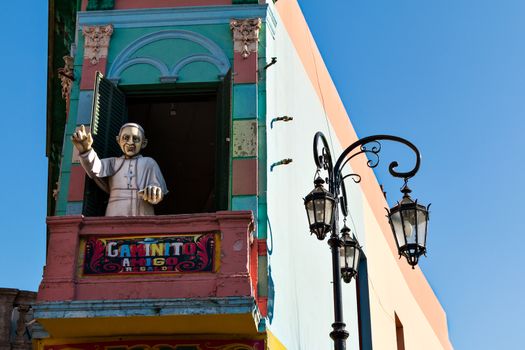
x=408 y=219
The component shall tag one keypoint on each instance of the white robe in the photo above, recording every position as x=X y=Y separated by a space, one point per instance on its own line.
x=123 y=178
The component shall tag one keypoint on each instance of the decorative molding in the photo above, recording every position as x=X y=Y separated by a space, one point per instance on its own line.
x=96 y=42
x=146 y=307
x=162 y=17
x=245 y=35
x=126 y=58
x=66 y=77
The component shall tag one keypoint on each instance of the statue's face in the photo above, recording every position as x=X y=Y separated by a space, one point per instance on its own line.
x=131 y=141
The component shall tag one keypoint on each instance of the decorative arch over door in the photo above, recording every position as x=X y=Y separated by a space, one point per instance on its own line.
x=208 y=52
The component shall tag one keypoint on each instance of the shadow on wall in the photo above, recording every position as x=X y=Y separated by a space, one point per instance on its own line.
x=271 y=286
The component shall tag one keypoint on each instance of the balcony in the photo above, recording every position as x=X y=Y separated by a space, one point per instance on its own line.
x=198 y=272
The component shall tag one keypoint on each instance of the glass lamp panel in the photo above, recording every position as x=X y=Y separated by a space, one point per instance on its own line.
x=422 y=219
x=328 y=211
x=319 y=206
x=350 y=256
x=395 y=218
x=409 y=225
x=310 y=211
x=342 y=257
x=357 y=256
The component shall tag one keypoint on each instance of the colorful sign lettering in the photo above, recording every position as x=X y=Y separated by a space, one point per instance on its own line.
x=150 y=254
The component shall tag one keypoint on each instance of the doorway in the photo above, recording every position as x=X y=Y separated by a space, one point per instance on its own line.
x=182 y=138
x=188 y=129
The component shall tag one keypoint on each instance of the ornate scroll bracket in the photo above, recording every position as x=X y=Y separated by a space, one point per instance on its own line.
x=370 y=146
x=96 y=42
x=66 y=77
x=245 y=35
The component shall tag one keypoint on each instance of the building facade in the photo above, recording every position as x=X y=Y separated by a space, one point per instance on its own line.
x=230 y=93
x=16 y=316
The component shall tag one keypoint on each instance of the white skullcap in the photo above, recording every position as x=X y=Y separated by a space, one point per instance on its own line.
x=134 y=125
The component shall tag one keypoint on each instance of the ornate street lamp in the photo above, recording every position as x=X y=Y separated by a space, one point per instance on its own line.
x=320 y=207
x=409 y=222
x=349 y=254
x=408 y=219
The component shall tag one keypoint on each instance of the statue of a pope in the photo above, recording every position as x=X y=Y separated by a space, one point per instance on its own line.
x=134 y=182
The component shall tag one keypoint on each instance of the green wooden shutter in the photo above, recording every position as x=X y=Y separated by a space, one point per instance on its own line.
x=107 y=116
x=224 y=115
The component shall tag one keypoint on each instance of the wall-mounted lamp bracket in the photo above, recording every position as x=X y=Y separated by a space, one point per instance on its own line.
x=281 y=162
x=274 y=61
x=284 y=118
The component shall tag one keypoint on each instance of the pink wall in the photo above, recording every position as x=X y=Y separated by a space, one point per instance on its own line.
x=236 y=275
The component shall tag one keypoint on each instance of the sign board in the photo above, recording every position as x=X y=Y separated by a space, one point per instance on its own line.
x=150 y=254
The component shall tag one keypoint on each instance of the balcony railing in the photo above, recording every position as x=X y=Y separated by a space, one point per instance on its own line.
x=173 y=266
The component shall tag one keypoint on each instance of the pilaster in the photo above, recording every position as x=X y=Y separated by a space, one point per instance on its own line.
x=96 y=46
x=245 y=33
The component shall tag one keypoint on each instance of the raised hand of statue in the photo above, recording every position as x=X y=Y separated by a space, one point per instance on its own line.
x=152 y=194
x=82 y=139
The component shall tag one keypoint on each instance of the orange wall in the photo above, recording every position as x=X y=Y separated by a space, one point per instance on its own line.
x=296 y=26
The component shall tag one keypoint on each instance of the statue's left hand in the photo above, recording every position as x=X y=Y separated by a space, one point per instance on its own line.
x=152 y=194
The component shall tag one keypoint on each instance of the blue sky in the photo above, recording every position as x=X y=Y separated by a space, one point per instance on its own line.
x=448 y=75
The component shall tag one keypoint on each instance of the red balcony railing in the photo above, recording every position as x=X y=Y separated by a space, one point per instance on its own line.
x=154 y=257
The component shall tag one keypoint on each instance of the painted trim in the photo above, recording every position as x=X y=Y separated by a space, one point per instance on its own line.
x=262 y=217
x=125 y=60
x=161 y=17
x=161 y=66
x=146 y=307
x=128 y=4
x=222 y=63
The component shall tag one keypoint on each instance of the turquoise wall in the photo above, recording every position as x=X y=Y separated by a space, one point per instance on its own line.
x=154 y=56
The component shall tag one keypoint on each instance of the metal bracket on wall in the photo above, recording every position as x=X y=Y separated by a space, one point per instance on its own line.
x=284 y=118
x=274 y=61
x=281 y=162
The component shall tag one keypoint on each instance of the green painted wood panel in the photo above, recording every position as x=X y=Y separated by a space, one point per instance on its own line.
x=245 y=203
x=245 y=101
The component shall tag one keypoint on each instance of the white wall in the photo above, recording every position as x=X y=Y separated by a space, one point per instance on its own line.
x=301 y=264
